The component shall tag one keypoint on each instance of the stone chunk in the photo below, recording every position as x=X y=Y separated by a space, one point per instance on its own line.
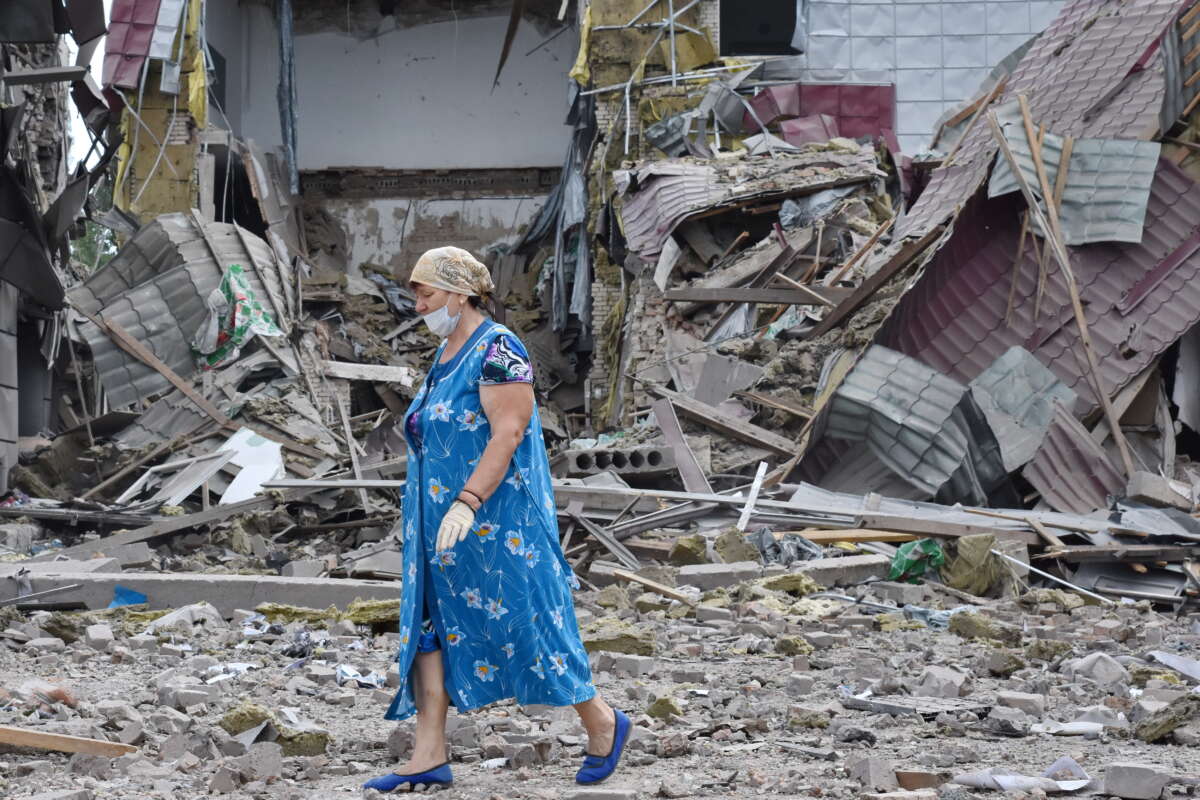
x=1032 y=704
x=875 y=774
x=973 y=625
x=939 y=681
x=46 y=644
x=1162 y=722
x=1134 y=781
x=305 y=568
x=1155 y=490
x=603 y=794
x=64 y=794
x=715 y=576
x=1099 y=667
x=919 y=794
x=689 y=550
x=846 y=570
x=617 y=636
x=899 y=593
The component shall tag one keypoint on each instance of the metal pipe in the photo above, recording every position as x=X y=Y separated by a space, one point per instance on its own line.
x=1054 y=578
x=671 y=23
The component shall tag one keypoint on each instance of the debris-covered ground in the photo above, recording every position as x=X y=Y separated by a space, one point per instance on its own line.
x=755 y=691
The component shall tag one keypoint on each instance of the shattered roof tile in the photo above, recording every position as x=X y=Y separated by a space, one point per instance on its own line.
x=1137 y=297
x=1070 y=470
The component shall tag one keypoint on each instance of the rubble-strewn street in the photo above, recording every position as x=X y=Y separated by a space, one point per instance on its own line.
x=865 y=343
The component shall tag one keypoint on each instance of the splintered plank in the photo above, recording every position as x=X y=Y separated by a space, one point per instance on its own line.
x=24 y=737
x=719 y=421
x=654 y=586
x=854 y=535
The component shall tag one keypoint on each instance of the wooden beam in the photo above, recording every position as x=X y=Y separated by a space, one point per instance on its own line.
x=1123 y=552
x=1054 y=240
x=654 y=586
x=775 y=402
x=852 y=535
x=811 y=294
x=694 y=479
x=771 y=295
x=940 y=528
x=1190 y=15
x=868 y=287
x=862 y=251
x=26 y=737
x=720 y=421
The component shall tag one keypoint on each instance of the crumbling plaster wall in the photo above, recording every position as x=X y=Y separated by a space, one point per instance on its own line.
x=391 y=233
x=418 y=98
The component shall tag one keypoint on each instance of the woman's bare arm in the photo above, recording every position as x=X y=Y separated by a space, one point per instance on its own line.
x=508 y=408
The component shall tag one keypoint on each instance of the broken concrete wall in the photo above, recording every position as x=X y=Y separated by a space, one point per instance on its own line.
x=390 y=233
x=419 y=98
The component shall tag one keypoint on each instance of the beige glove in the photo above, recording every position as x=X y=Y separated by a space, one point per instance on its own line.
x=455 y=525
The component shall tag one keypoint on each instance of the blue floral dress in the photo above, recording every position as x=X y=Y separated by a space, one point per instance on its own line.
x=500 y=601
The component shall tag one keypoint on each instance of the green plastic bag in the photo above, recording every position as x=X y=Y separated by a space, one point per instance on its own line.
x=914 y=559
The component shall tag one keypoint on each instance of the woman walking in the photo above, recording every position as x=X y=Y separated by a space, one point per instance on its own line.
x=485 y=611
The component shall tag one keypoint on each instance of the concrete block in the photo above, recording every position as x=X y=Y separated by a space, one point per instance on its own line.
x=603 y=794
x=1032 y=704
x=1135 y=781
x=875 y=774
x=19 y=536
x=939 y=681
x=899 y=593
x=714 y=576
x=308 y=568
x=226 y=592
x=98 y=637
x=1155 y=490
x=845 y=571
x=712 y=614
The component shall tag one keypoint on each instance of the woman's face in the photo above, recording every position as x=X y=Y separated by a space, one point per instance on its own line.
x=431 y=299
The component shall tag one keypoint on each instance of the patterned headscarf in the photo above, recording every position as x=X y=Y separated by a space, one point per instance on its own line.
x=453 y=269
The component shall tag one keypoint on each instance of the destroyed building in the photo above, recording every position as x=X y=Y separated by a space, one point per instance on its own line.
x=866 y=348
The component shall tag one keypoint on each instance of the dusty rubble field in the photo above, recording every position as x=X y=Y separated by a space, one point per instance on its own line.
x=719 y=712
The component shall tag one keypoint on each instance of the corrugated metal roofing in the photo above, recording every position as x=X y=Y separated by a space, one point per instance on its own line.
x=1071 y=471
x=953 y=319
x=924 y=426
x=664 y=193
x=156 y=288
x=1081 y=81
x=1018 y=395
x=1108 y=180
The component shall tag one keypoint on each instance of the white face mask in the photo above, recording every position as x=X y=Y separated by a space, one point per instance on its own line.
x=440 y=321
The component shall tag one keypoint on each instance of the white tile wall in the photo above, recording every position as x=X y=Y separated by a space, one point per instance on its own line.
x=937 y=53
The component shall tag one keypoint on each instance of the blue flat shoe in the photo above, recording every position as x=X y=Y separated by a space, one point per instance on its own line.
x=438 y=776
x=598 y=768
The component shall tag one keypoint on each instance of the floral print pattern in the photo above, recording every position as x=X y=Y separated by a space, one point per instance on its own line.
x=499 y=602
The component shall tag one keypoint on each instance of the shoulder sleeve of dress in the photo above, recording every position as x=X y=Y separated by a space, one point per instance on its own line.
x=505 y=362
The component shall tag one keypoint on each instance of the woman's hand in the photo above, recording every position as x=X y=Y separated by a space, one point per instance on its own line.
x=455 y=525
